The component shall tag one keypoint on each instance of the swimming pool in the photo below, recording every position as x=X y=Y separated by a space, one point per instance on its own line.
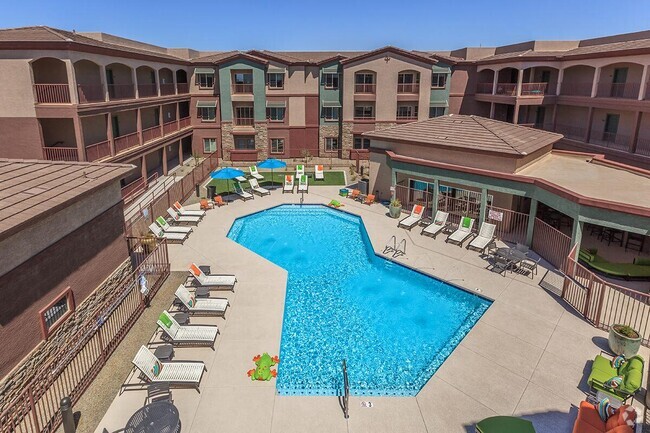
x=393 y=325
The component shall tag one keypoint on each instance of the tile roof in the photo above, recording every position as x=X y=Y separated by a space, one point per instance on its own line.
x=31 y=189
x=606 y=48
x=215 y=57
x=470 y=133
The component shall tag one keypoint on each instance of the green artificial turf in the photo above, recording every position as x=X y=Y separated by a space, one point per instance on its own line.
x=331 y=178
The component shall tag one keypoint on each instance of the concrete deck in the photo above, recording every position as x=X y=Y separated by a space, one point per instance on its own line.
x=529 y=355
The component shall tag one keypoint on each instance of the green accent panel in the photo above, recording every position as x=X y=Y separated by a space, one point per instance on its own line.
x=329 y=95
x=204 y=71
x=259 y=88
x=439 y=96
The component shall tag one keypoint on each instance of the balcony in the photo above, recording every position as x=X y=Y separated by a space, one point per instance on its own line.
x=120 y=91
x=643 y=146
x=98 y=151
x=60 y=153
x=147 y=90
x=619 y=90
x=611 y=140
x=183 y=88
x=52 y=93
x=484 y=88
x=90 y=93
x=242 y=88
x=571 y=132
x=170 y=127
x=167 y=89
x=506 y=89
x=125 y=142
x=364 y=88
x=405 y=88
x=535 y=89
x=243 y=155
x=244 y=121
x=184 y=122
x=364 y=117
x=576 y=89
x=151 y=133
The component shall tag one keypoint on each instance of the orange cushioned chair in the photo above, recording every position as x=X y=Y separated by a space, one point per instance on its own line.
x=218 y=201
x=588 y=421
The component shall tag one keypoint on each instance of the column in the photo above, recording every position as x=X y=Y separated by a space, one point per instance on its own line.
x=635 y=134
x=134 y=79
x=393 y=180
x=72 y=82
x=594 y=85
x=644 y=83
x=139 y=125
x=515 y=116
x=483 y=210
x=157 y=75
x=495 y=81
x=576 y=232
x=79 y=138
x=560 y=77
x=531 y=222
x=178 y=113
x=520 y=79
x=590 y=118
x=180 y=152
x=102 y=75
x=436 y=192
x=164 y=160
x=161 y=119
x=144 y=171
x=492 y=108
x=109 y=133
x=554 y=118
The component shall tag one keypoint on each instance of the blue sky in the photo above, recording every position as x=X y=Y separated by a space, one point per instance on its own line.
x=334 y=24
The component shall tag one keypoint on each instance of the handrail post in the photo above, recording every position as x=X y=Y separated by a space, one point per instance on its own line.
x=346 y=390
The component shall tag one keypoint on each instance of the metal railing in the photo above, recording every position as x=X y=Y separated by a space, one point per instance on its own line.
x=60 y=153
x=70 y=370
x=125 y=142
x=484 y=88
x=90 y=93
x=52 y=93
x=98 y=151
x=507 y=89
x=242 y=88
x=345 y=398
x=132 y=190
x=611 y=140
x=582 y=88
x=151 y=133
x=408 y=88
x=244 y=121
x=571 y=131
x=167 y=89
x=535 y=89
x=619 y=90
x=550 y=243
x=183 y=87
x=511 y=226
x=642 y=146
x=120 y=91
x=147 y=90
x=364 y=88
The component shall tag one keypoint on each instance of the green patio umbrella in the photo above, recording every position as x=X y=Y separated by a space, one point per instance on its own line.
x=503 y=424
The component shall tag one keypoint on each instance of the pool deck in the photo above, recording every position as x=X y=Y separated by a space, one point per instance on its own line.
x=529 y=355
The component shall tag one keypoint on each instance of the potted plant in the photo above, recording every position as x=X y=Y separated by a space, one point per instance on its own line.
x=148 y=242
x=624 y=340
x=395 y=208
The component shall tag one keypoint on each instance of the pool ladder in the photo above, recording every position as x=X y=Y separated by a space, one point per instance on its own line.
x=344 y=400
x=395 y=248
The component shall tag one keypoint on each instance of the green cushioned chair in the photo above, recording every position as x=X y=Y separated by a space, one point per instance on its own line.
x=502 y=424
x=631 y=372
x=637 y=270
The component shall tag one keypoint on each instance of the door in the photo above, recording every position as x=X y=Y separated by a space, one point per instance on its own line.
x=539 y=116
x=618 y=82
x=116 y=126
x=611 y=127
x=546 y=77
x=110 y=80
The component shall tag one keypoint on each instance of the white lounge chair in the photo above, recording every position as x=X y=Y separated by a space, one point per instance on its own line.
x=163 y=224
x=182 y=219
x=410 y=221
x=194 y=305
x=438 y=225
x=173 y=373
x=463 y=232
x=288 y=184
x=216 y=280
x=184 y=212
x=186 y=334
x=241 y=179
x=253 y=171
x=159 y=233
x=319 y=174
x=484 y=239
x=245 y=195
x=255 y=186
x=303 y=184
x=300 y=170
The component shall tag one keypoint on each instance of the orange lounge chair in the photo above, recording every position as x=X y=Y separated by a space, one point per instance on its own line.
x=369 y=200
x=205 y=204
x=218 y=201
x=588 y=421
x=354 y=194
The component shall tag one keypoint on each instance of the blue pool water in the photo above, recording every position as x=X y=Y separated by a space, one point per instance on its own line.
x=393 y=325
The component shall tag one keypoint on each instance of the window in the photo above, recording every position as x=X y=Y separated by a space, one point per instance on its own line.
x=361 y=142
x=438 y=81
x=245 y=142
x=364 y=112
x=408 y=82
x=436 y=111
x=204 y=80
x=277 y=145
x=275 y=114
x=276 y=80
x=364 y=78
x=407 y=112
x=331 y=114
x=207 y=114
x=209 y=145
x=56 y=312
x=242 y=82
x=331 y=81
x=331 y=144
x=244 y=116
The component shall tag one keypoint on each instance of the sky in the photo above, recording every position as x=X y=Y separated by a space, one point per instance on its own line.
x=337 y=25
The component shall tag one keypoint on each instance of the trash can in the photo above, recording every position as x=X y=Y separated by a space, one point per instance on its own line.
x=363 y=186
x=212 y=191
x=197 y=189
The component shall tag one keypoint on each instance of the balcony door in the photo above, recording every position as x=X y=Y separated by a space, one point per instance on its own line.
x=611 y=127
x=116 y=126
x=619 y=78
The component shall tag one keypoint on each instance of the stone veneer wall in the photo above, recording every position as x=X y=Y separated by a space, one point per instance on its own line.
x=325 y=131
x=227 y=140
x=348 y=136
x=16 y=381
x=261 y=140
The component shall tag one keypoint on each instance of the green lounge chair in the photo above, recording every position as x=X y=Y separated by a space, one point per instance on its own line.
x=631 y=372
x=502 y=424
x=640 y=269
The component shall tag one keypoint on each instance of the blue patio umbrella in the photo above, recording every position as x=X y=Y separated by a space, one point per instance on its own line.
x=271 y=164
x=226 y=173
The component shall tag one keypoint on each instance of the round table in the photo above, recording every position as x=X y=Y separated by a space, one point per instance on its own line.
x=158 y=417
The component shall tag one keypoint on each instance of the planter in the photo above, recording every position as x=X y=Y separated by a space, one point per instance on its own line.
x=622 y=344
x=395 y=211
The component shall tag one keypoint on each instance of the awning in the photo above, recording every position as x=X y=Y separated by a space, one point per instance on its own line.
x=441 y=69
x=276 y=70
x=204 y=71
x=206 y=104
x=276 y=104
x=336 y=104
x=334 y=69
x=439 y=104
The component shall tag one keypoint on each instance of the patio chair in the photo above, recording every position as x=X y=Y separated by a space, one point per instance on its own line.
x=319 y=174
x=410 y=221
x=184 y=212
x=206 y=204
x=530 y=265
x=370 y=199
x=255 y=187
x=437 y=226
x=218 y=201
x=485 y=237
x=303 y=184
x=354 y=195
x=300 y=170
x=463 y=232
x=622 y=420
x=173 y=373
x=288 y=184
x=162 y=222
x=631 y=371
x=212 y=280
x=189 y=335
x=500 y=264
x=182 y=219
x=245 y=195
x=241 y=179
x=253 y=171
x=159 y=233
x=208 y=306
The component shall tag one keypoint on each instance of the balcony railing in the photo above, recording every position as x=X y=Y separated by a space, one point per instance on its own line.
x=167 y=89
x=643 y=146
x=619 y=90
x=126 y=142
x=534 y=89
x=151 y=133
x=147 y=90
x=571 y=132
x=611 y=140
x=364 y=88
x=90 y=93
x=183 y=87
x=242 y=88
x=52 y=93
x=364 y=117
x=582 y=88
x=408 y=88
x=244 y=121
x=60 y=153
x=407 y=118
x=98 y=151
x=170 y=127
x=484 y=88
x=507 y=89
x=184 y=122
x=120 y=91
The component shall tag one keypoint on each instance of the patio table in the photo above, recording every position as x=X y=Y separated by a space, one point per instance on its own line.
x=512 y=255
x=158 y=417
